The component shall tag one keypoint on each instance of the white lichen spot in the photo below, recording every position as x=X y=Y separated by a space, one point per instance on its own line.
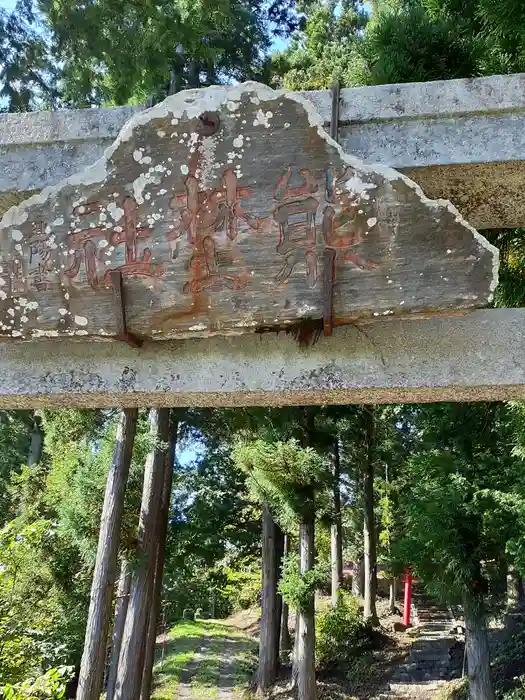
x=115 y=212
x=16 y=334
x=18 y=248
x=137 y=155
x=449 y=251
x=287 y=125
x=16 y=235
x=238 y=141
x=24 y=319
x=161 y=134
x=174 y=121
x=59 y=221
x=261 y=119
x=11 y=312
x=3 y=295
x=232 y=106
x=184 y=169
x=81 y=320
x=62 y=312
x=66 y=296
x=371 y=222
x=103 y=243
x=81 y=332
x=138 y=187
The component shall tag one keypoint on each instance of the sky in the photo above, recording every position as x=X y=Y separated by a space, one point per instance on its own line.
x=7 y=4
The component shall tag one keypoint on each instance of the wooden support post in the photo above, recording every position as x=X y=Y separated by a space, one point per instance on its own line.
x=161 y=556
x=132 y=653
x=408 y=598
x=93 y=657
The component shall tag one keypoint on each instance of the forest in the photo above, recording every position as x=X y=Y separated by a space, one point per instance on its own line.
x=266 y=507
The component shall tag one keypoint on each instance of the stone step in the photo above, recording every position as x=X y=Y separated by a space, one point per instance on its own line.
x=420 y=676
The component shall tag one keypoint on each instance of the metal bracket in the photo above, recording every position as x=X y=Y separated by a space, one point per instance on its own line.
x=120 y=312
x=329 y=253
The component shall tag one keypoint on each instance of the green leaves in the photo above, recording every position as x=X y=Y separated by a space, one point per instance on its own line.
x=297 y=589
x=49 y=686
x=284 y=473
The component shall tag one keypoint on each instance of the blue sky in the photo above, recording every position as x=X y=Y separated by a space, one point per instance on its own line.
x=7 y=4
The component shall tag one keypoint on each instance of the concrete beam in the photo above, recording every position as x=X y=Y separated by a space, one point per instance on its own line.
x=462 y=140
x=474 y=357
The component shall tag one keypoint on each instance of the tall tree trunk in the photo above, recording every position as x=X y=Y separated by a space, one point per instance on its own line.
x=271 y=610
x=193 y=74
x=164 y=515
x=177 y=69
x=478 y=656
x=286 y=641
x=36 y=442
x=279 y=543
x=306 y=688
x=515 y=589
x=93 y=657
x=358 y=578
x=336 y=532
x=393 y=595
x=131 y=662
x=121 y=609
x=369 y=529
x=295 y=653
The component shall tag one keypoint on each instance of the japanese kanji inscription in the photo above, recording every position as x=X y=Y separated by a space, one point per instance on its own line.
x=217 y=207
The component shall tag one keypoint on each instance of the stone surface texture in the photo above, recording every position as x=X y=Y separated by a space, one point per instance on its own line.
x=225 y=211
x=447 y=135
x=474 y=357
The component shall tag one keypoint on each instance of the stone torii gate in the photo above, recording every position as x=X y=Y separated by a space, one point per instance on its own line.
x=221 y=235
x=460 y=139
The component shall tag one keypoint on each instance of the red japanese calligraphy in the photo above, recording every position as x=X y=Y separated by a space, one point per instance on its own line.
x=85 y=248
x=344 y=222
x=16 y=283
x=42 y=258
x=201 y=215
x=343 y=231
x=296 y=221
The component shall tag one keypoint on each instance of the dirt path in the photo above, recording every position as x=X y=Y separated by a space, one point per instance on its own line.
x=205 y=661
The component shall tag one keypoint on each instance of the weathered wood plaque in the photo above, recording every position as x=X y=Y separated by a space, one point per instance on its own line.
x=219 y=208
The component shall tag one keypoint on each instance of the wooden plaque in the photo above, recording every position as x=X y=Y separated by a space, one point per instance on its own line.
x=227 y=210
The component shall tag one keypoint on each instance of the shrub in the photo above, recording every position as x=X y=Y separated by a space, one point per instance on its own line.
x=50 y=686
x=188 y=614
x=454 y=690
x=515 y=694
x=341 y=634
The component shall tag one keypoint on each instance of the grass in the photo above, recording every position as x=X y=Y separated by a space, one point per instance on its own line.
x=207 y=657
